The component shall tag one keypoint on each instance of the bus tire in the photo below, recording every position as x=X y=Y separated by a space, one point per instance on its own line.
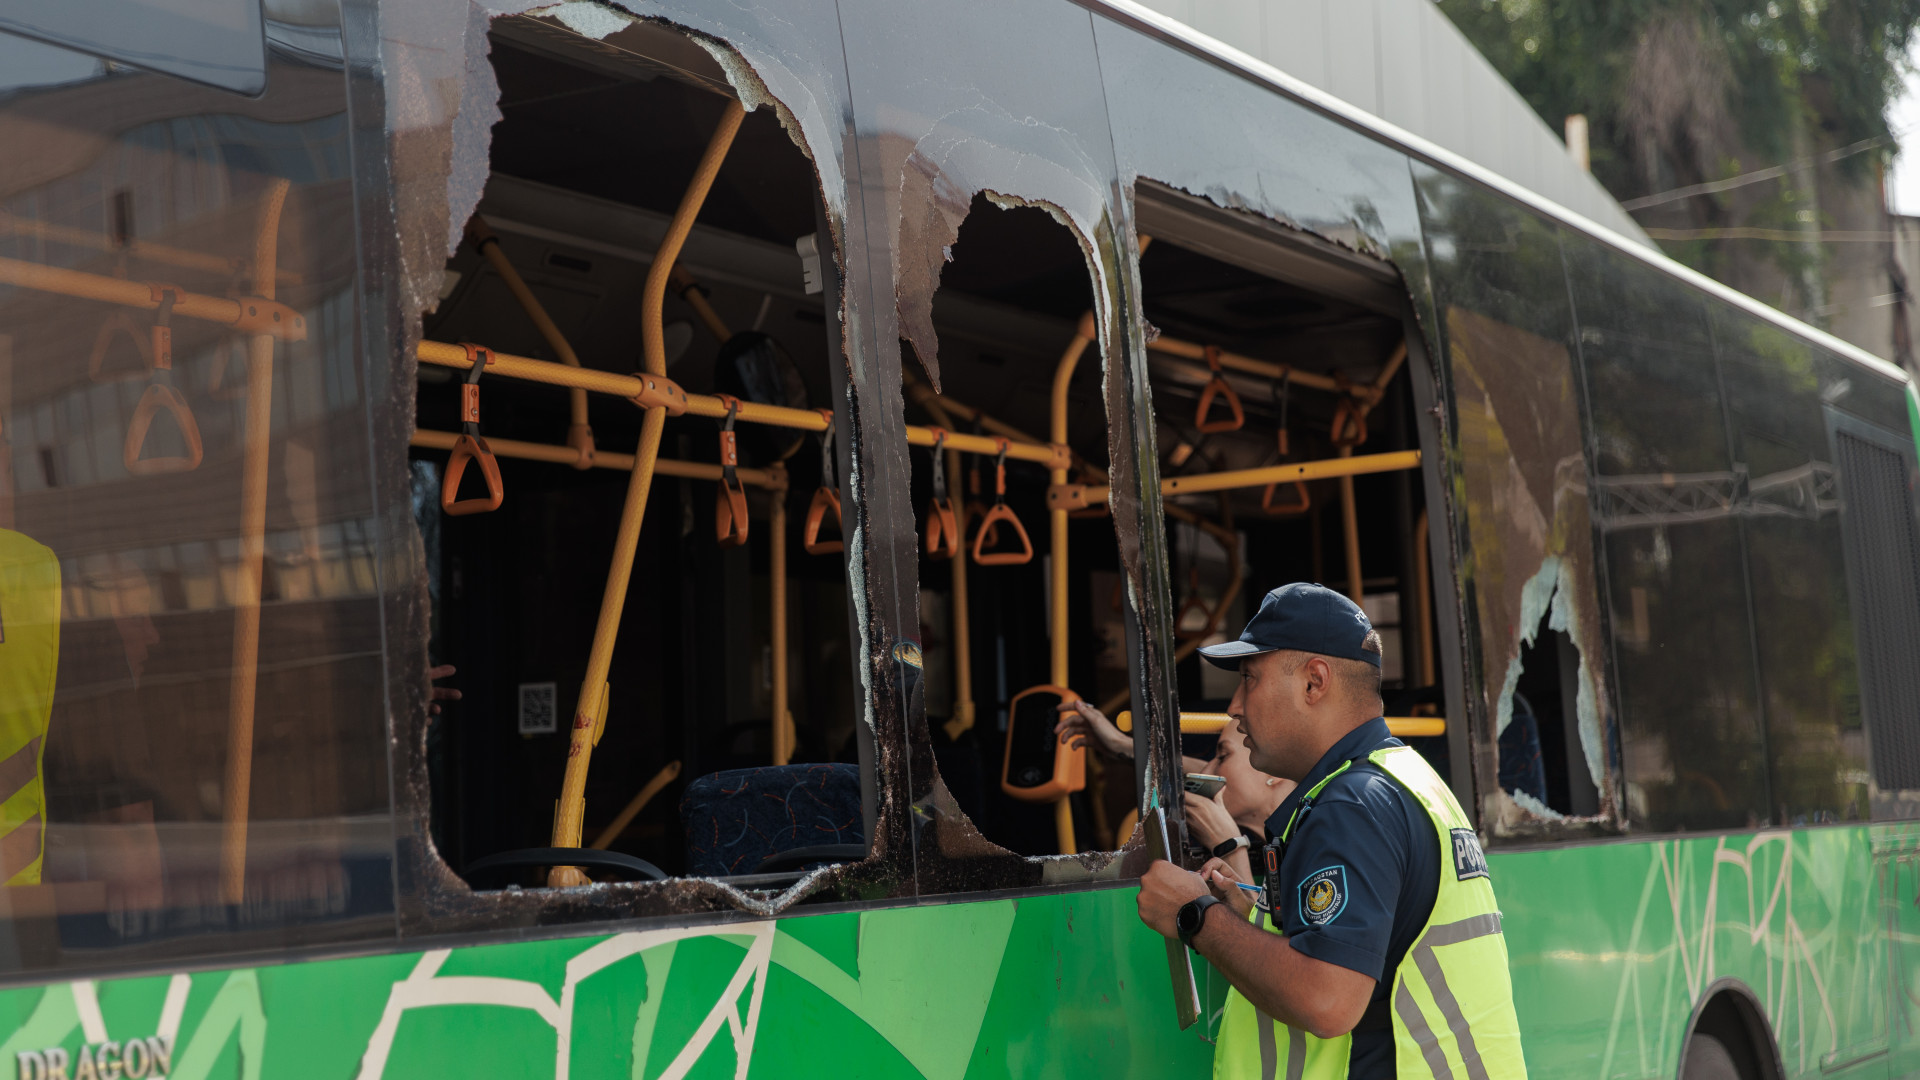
x=1728 y=1037
x=1708 y=1059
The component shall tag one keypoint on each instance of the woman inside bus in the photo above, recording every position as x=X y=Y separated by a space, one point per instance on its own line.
x=1240 y=808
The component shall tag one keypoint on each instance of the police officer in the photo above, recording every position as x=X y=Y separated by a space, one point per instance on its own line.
x=1373 y=950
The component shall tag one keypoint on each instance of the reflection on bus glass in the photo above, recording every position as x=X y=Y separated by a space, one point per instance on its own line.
x=188 y=604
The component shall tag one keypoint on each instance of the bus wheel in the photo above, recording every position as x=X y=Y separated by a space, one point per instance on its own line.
x=1708 y=1059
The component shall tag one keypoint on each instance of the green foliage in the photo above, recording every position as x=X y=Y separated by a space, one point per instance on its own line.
x=1834 y=64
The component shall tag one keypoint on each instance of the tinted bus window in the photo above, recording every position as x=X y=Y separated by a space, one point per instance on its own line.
x=1796 y=569
x=192 y=736
x=1692 y=743
x=1528 y=563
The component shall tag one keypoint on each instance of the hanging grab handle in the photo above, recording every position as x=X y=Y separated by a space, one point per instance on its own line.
x=161 y=394
x=471 y=447
x=996 y=514
x=824 y=499
x=730 y=502
x=1192 y=603
x=1304 y=501
x=1349 y=424
x=1217 y=386
x=1301 y=504
x=943 y=529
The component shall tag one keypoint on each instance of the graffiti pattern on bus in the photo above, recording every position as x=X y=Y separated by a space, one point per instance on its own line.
x=1732 y=910
x=425 y=988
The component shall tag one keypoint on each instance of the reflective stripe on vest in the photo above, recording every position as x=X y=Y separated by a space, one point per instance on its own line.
x=29 y=660
x=1452 y=999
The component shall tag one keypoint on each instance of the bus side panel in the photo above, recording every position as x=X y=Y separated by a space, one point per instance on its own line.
x=1613 y=945
x=1896 y=857
x=1001 y=988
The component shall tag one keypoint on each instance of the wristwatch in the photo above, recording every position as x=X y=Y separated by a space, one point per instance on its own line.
x=1191 y=917
x=1227 y=847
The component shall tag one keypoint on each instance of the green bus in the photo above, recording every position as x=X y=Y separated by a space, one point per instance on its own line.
x=772 y=413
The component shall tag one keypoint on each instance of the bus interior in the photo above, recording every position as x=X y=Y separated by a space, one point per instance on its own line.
x=727 y=741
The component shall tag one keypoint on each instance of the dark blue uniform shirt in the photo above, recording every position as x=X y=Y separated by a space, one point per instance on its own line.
x=1358 y=879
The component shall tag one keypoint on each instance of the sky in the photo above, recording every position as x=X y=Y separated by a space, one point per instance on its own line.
x=1903 y=180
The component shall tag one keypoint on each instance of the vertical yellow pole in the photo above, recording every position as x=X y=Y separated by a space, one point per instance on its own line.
x=1349 y=513
x=783 y=735
x=1350 y=525
x=238 y=792
x=569 y=820
x=962 y=718
x=1423 y=598
x=579 y=433
x=1057 y=433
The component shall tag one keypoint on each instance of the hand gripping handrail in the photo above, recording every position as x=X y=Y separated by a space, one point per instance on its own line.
x=827 y=497
x=730 y=502
x=1217 y=386
x=161 y=394
x=943 y=528
x=996 y=514
x=470 y=447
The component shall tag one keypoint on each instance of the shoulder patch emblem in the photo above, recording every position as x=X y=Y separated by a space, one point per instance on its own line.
x=1468 y=860
x=1323 y=895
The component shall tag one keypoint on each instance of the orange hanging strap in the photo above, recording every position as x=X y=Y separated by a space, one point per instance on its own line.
x=470 y=447
x=730 y=502
x=161 y=394
x=824 y=499
x=1349 y=427
x=1217 y=387
x=943 y=531
x=998 y=513
x=1302 y=501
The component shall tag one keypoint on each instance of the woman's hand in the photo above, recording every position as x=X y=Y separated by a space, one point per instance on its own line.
x=1208 y=820
x=1079 y=719
x=438 y=694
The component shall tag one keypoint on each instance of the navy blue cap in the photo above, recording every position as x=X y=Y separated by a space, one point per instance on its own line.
x=1305 y=618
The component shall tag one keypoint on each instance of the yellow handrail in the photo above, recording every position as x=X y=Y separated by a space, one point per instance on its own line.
x=429 y=439
x=1076 y=495
x=1212 y=723
x=441 y=354
x=638 y=803
x=570 y=816
x=1083 y=336
x=256 y=442
x=259 y=315
x=579 y=432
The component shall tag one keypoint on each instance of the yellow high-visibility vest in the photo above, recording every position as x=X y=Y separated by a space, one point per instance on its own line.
x=29 y=662
x=1452 y=998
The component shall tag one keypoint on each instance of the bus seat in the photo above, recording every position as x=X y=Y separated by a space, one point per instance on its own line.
x=737 y=819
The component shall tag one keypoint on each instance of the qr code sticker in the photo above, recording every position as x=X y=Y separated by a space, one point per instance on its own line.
x=538 y=713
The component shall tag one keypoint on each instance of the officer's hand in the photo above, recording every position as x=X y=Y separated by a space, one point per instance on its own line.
x=1224 y=880
x=1208 y=819
x=1164 y=890
x=1080 y=718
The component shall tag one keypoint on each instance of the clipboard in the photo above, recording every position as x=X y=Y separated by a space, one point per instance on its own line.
x=1186 y=996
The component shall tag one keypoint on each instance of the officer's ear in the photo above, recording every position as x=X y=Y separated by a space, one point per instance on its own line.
x=1319 y=678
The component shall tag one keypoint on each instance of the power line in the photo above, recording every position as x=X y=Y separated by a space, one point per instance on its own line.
x=1770 y=173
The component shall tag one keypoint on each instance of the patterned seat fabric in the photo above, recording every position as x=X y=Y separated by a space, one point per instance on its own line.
x=737 y=818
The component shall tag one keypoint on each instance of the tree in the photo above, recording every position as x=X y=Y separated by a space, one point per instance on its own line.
x=1686 y=92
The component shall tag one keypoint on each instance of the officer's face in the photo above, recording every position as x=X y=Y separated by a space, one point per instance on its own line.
x=1269 y=716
